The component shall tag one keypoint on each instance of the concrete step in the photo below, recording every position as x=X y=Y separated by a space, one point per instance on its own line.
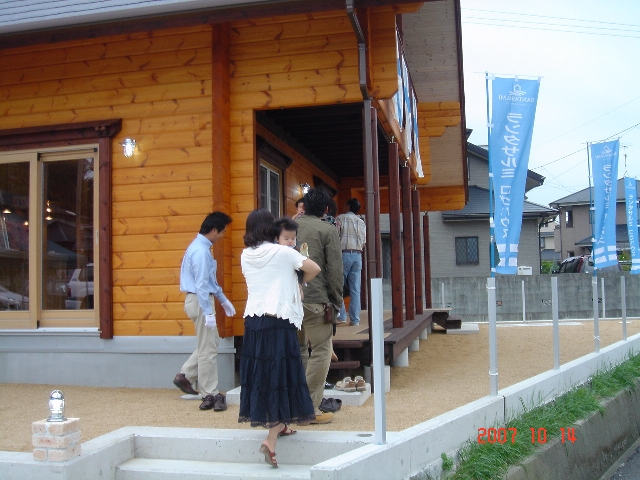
x=158 y=469
x=239 y=446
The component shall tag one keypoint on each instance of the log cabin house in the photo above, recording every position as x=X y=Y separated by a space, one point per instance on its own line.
x=233 y=105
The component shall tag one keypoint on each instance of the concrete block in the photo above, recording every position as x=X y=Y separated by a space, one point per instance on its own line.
x=465 y=329
x=387 y=377
x=415 y=345
x=402 y=360
x=424 y=333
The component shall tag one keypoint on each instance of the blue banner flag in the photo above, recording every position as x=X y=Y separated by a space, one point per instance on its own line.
x=604 y=160
x=513 y=109
x=631 y=199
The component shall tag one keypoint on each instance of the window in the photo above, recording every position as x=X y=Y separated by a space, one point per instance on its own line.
x=47 y=235
x=270 y=189
x=467 y=251
x=568 y=218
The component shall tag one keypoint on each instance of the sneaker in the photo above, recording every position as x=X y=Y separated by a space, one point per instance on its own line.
x=322 y=418
x=328 y=386
x=219 y=403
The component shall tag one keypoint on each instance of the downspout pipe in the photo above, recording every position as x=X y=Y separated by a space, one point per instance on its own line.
x=362 y=49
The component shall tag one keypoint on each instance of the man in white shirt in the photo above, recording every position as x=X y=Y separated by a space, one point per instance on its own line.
x=198 y=281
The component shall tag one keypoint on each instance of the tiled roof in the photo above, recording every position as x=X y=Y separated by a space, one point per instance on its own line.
x=478 y=208
x=582 y=197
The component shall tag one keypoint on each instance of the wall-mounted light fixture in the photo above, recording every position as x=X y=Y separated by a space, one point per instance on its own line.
x=129 y=144
x=6 y=210
x=305 y=188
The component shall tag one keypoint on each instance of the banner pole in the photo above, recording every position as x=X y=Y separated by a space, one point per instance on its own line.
x=556 y=326
x=594 y=278
x=377 y=339
x=492 y=241
x=493 y=336
x=623 y=295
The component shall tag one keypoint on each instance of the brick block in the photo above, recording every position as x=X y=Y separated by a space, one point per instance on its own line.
x=56 y=441
x=63 y=428
x=39 y=427
x=63 y=455
x=40 y=454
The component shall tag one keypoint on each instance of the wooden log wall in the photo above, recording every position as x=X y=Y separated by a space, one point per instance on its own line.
x=283 y=62
x=159 y=83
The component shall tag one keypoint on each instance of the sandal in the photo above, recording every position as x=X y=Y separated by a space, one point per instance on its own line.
x=361 y=385
x=346 y=385
x=286 y=431
x=269 y=456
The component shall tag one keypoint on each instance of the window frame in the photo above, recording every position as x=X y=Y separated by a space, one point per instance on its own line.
x=72 y=135
x=467 y=263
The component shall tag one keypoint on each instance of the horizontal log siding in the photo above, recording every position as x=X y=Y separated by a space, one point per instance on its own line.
x=159 y=83
x=282 y=62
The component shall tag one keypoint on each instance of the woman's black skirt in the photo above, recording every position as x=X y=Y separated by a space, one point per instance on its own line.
x=274 y=388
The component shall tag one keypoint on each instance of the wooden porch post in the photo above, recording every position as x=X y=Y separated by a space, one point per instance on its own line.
x=395 y=236
x=369 y=117
x=427 y=261
x=417 y=251
x=407 y=236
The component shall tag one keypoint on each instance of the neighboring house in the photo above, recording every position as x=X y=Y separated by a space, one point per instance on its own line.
x=547 y=243
x=233 y=105
x=460 y=239
x=573 y=234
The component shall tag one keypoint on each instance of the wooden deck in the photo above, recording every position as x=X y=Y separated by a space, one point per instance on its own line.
x=351 y=343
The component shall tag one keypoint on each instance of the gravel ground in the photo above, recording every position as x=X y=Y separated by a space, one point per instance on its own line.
x=447 y=372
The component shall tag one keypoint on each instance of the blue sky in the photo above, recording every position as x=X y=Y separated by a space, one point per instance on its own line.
x=587 y=55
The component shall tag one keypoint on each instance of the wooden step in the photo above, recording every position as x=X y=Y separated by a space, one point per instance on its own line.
x=344 y=365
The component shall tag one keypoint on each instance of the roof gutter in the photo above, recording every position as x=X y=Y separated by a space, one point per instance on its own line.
x=362 y=49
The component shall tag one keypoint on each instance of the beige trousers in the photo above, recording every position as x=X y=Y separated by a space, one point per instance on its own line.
x=319 y=335
x=202 y=365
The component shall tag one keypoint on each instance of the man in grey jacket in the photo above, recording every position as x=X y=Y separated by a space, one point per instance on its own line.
x=326 y=288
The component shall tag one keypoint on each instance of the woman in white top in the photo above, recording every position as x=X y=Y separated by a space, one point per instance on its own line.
x=274 y=389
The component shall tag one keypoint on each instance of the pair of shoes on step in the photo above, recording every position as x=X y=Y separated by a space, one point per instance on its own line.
x=218 y=402
x=352 y=385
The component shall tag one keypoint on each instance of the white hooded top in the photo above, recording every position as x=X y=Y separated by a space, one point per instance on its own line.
x=272 y=282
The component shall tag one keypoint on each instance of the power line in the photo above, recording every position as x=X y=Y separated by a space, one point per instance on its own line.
x=551 y=24
x=587 y=123
x=551 y=29
x=600 y=22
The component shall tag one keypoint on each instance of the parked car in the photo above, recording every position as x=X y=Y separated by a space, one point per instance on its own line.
x=80 y=288
x=12 y=301
x=581 y=264
x=584 y=264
